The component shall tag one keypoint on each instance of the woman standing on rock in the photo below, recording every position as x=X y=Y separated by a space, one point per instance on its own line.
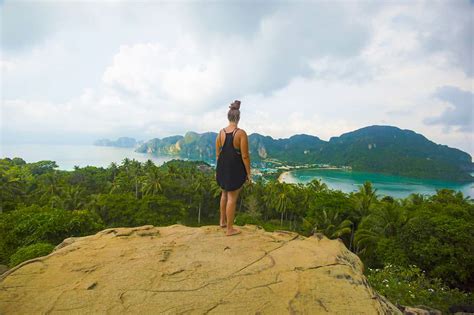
x=233 y=166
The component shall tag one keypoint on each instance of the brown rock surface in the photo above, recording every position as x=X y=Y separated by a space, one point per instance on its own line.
x=179 y=269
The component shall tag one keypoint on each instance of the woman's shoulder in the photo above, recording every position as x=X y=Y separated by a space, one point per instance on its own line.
x=241 y=135
x=241 y=131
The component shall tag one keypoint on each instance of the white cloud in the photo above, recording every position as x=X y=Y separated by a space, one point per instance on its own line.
x=460 y=111
x=153 y=70
x=178 y=74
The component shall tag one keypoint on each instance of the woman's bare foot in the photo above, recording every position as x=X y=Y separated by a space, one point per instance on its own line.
x=233 y=232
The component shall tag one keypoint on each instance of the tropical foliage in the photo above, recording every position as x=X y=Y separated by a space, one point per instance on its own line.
x=41 y=206
x=409 y=285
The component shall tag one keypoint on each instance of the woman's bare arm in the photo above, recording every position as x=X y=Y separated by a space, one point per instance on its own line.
x=218 y=145
x=244 y=149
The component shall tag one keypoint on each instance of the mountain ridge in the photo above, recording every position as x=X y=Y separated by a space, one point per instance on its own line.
x=121 y=142
x=376 y=148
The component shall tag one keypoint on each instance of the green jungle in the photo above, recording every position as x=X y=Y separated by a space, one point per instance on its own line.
x=417 y=251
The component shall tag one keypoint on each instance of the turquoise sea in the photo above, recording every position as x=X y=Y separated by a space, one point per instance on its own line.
x=67 y=156
x=395 y=186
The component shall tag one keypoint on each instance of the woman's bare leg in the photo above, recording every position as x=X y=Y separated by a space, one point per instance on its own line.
x=223 y=207
x=232 y=197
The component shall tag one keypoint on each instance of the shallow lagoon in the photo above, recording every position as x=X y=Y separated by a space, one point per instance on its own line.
x=396 y=186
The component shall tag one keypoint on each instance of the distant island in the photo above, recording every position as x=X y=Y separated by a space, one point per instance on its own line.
x=379 y=149
x=122 y=142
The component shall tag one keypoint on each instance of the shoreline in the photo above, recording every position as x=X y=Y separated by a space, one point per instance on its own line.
x=280 y=177
x=285 y=173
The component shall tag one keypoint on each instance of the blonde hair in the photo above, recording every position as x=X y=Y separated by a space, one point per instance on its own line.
x=234 y=111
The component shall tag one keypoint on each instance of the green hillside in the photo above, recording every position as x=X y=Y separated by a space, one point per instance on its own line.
x=380 y=149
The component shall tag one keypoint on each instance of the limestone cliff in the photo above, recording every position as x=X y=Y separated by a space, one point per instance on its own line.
x=179 y=269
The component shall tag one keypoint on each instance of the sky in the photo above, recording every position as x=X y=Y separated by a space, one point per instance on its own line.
x=73 y=72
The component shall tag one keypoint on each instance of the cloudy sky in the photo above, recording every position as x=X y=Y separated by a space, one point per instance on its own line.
x=72 y=72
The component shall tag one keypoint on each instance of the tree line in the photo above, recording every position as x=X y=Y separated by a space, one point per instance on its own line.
x=420 y=243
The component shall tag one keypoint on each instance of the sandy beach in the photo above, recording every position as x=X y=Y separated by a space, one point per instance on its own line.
x=282 y=176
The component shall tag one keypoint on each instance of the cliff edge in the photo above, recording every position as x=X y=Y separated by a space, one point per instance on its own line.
x=195 y=270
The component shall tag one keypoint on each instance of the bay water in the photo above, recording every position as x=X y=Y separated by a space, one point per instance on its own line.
x=67 y=156
x=395 y=186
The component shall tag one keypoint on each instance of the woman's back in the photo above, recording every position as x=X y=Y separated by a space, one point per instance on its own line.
x=233 y=166
x=237 y=136
x=230 y=170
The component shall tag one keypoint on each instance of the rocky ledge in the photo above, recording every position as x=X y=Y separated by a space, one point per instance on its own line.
x=179 y=269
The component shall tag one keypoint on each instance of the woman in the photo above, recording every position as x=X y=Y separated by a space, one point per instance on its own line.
x=233 y=166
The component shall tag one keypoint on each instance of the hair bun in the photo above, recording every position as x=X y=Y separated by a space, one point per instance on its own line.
x=235 y=105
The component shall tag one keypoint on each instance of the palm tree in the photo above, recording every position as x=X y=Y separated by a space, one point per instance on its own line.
x=126 y=162
x=364 y=200
x=197 y=187
x=10 y=187
x=331 y=224
x=252 y=207
x=113 y=168
x=49 y=187
x=115 y=185
x=283 y=200
x=215 y=189
x=136 y=171
x=416 y=199
x=384 y=222
x=244 y=193
x=149 y=165
x=317 y=185
x=301 y=197
x=152 y=182
x=173 y=172
x=365 y=197
x=73 y=197
x=269 y=195
x=445 y=196
x=133 y=171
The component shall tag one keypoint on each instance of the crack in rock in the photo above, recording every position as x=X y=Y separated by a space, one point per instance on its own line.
x=265 y=255
x=191 y=270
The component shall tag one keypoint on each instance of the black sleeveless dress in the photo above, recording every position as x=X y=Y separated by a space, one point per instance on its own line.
x=230 y=170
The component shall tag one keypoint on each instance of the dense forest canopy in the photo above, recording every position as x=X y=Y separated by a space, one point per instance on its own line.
x=417 y=250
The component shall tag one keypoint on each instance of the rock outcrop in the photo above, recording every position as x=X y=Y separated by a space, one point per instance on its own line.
x=179 y=269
